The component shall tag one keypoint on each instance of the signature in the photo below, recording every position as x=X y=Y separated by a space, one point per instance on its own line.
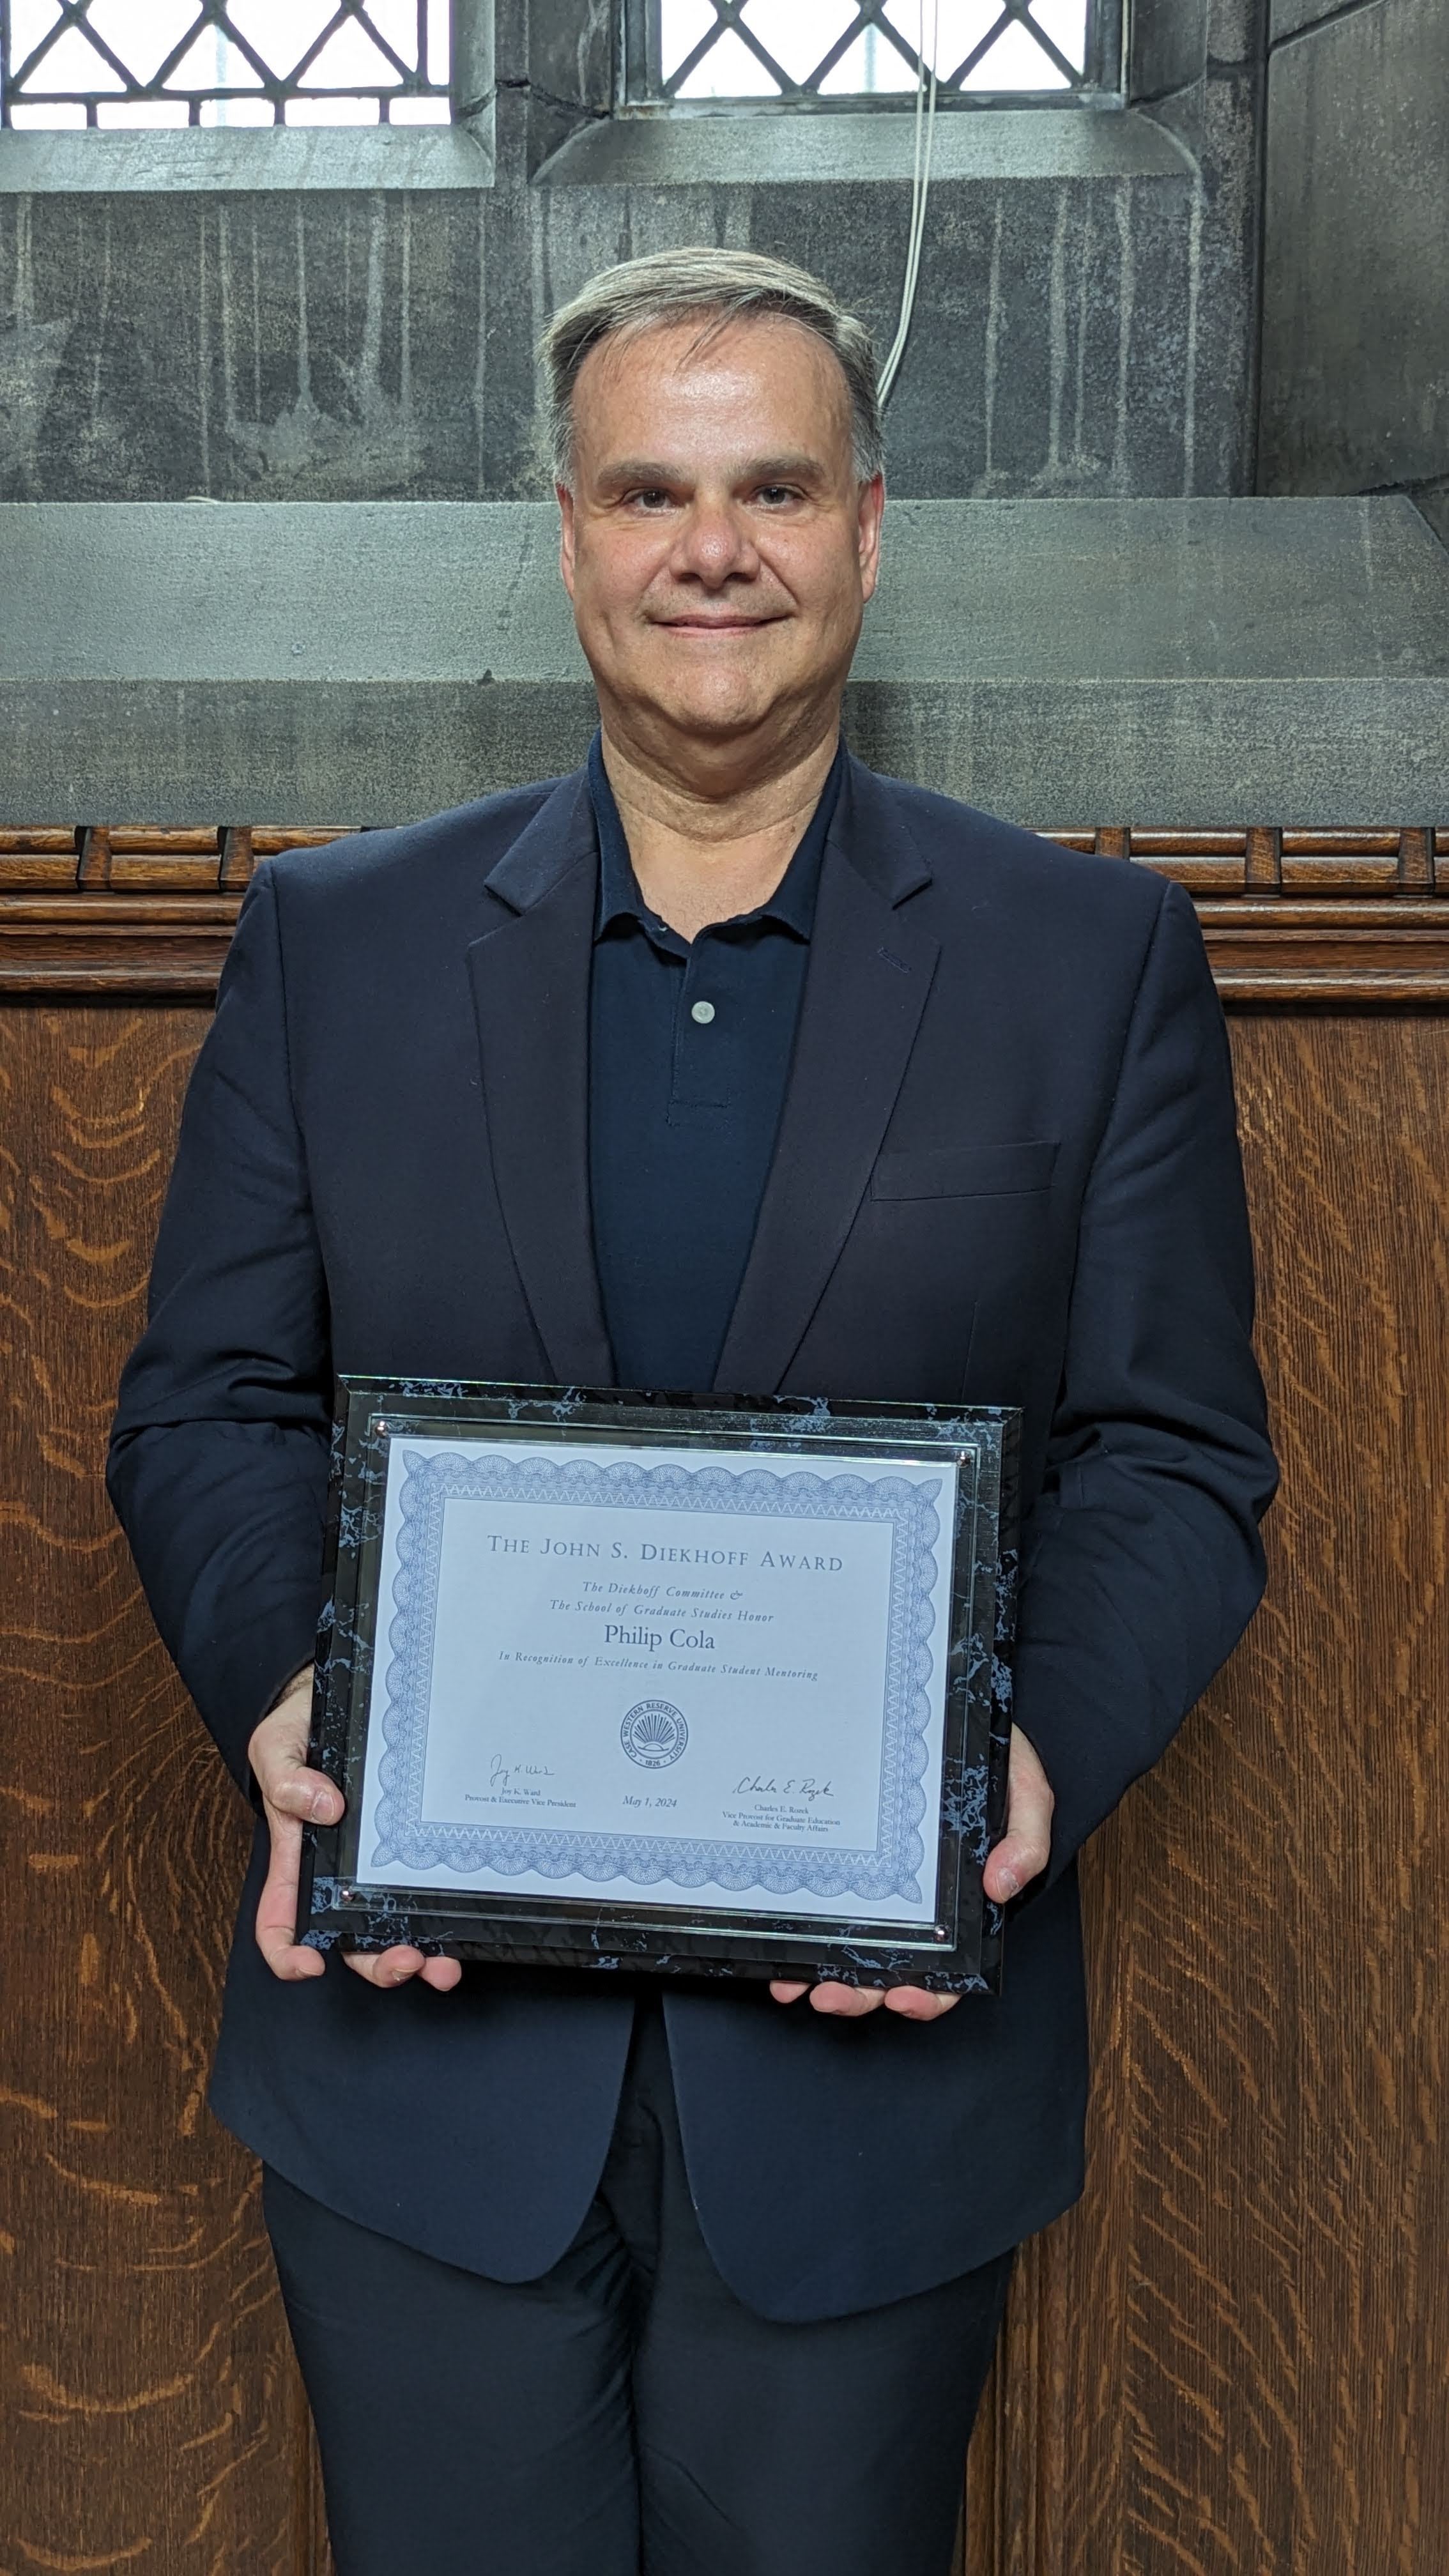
x=503 y=1776
x=755 y=1785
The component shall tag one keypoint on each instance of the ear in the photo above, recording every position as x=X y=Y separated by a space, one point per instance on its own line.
x=565 y=500
x=870 y=513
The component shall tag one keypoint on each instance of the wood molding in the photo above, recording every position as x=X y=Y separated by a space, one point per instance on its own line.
x=1290 y=917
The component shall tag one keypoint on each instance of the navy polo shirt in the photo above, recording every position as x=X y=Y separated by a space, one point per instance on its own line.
x=689 y=1054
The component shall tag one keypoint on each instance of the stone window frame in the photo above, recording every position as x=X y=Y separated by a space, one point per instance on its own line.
x=586 y=141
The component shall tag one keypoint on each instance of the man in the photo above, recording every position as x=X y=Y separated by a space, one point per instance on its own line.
x=721 y=1063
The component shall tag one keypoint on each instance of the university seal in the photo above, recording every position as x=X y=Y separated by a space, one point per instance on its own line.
x=654 y=1734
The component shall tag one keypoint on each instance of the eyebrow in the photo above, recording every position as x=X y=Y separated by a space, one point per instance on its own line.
x=760 y=469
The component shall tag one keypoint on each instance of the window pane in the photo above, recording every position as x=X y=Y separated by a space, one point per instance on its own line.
x=73 y=63
x=350 y=59
x=238 y=111
x=282 y=31
x=729 y=70
x=142 y=111
x=29 y=21
x=396 y=21
x=49 y=118
x=418 y=111
x=440 y=41
x=1016 y=61
x=871 y=67
x=800 y=37
x=962 y=27
x=1065 y=22
x=151 y=58
x=681 y=25
x=332 y=111
x=881 y=40
x=213 y=62
x=142 y=37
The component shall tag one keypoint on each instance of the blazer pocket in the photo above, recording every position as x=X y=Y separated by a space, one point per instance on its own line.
x=966 y=1171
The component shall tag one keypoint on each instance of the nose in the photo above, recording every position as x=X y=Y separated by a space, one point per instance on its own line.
x=715 y=546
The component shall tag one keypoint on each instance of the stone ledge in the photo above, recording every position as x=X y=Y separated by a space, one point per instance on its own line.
x=1200 y=663
x=419 y=591
x=762 y=147
x=1194 y=755
x=202 y=159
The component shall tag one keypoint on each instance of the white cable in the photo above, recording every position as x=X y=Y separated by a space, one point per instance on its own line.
x=920 y=191
x=920 y=185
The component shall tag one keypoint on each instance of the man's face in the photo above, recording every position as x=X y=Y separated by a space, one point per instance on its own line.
x=717 y=546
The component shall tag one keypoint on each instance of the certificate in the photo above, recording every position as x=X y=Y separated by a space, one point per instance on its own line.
x=668 y=1683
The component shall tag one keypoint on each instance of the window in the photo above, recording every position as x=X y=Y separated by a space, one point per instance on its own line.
x=224 y=62
x=821 y=52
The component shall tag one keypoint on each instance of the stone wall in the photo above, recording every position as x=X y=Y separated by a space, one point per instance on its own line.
x=1356 y=271
x=333 y=317
x=1197 y=67
x=1084 y=326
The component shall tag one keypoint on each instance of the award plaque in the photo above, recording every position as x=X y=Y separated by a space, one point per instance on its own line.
x=695 y=1685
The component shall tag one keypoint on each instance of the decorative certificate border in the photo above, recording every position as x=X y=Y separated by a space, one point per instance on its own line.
x=407 y=1839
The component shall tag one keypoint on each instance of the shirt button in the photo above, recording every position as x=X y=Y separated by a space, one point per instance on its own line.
x=703 y=1012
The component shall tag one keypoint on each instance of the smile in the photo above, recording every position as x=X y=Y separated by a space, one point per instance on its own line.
x=716 y=625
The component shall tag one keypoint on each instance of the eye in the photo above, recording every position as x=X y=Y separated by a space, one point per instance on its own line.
x=776 y=495
x=653 y=498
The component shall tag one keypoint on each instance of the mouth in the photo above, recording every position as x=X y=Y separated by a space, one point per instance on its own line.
x=715 y=625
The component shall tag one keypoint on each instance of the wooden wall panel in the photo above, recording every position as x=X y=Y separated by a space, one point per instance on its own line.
x=1233 y=2359
x=152 y=2416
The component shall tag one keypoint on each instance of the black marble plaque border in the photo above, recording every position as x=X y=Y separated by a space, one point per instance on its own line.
x=959 y=1952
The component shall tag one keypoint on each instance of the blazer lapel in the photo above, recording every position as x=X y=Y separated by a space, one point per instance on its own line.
x=531 y=995
x=865 y=989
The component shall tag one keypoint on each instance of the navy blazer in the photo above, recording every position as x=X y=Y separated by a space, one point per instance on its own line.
x=1007 y=1172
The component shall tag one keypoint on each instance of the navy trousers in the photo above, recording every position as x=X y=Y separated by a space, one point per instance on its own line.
x=626 y=2415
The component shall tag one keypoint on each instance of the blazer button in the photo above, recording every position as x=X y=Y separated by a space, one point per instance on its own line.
x=703 y=1012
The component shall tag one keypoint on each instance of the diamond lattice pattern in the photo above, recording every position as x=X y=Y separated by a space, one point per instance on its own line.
x=843 y=48
x=224 y=62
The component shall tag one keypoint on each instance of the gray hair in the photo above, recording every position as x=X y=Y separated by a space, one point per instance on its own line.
x=717 y=286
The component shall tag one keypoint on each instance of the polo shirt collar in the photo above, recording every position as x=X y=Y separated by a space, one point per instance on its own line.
x=793 y=901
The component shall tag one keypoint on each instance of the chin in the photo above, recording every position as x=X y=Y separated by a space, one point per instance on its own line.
x=715 y=724
x=713 y=694
x=716 y=714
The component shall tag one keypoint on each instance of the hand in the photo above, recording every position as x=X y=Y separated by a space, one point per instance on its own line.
x=1021 y=1854
x=293 y=1796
